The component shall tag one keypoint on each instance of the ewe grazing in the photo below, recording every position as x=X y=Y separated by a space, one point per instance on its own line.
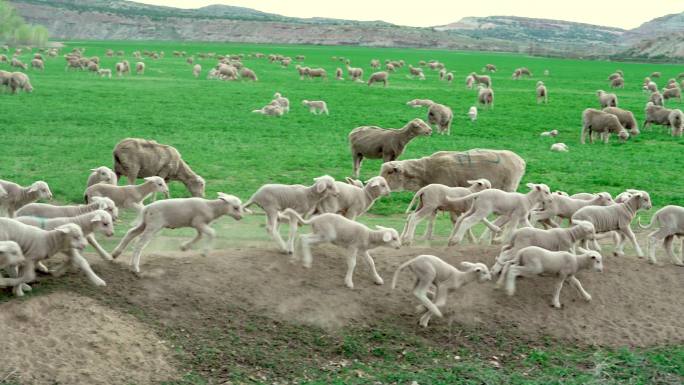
x=343 y=232
x=671 y=221
x=604 y=123
x=542 y=93
x=379 y=77
x=666 y=117
x=374 y=142
x=432 y=271
x=626 y=119
x=20 y=81
x=485 y=96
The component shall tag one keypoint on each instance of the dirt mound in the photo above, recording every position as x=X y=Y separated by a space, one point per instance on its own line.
x=66 y=338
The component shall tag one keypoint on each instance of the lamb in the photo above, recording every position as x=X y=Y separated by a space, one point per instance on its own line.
x=11 y=257
x=651 y=86
x=441 y=116
x=37 y=245
x=378 y=77
x=515 y=207
x=130 y=196
x=354 y=199
x=302 y=71
x=247 y=73
x=565 y=207
x=472 y=113
x=316 y=107
x=656 y=98
x=105 y=73
x=18 y=64
x=606 y=99
x=614 y=76
x=20 y=81
x=602 y=122
x=194 y=212
x=356 y=74
x=138 y=158
x=227 y=72
x=432 y=199
x=542 y=94
x=5 y=78
x=18 y=196
x=617 y=83
x=617 y=218
x=655 y=74
x=375 y=63
x=43 y=210
x=672 y=93
x=102 y=174
x=416 y=71
x=552 y=133
x=532 y=261
x=559 y=147
x=374 y=142
x=433 y=271
x=484 y=79
x=338 y=74
x=671 y=220
x=417 y=103
x=38 y=64
x=273 y=109
x=626 y=119
x=140 y=68
x=196 y=70
x=469 y=82
x=389 y=67
x=489 y=68
x=274 y=198
x=485 y=96
x=98 y=220
x=343 y=232
x=666 y=117
x=282 y=101
x=316 y=73
x=449 y=77
x=122 y=68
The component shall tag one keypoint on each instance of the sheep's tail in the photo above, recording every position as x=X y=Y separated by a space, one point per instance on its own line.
x=417 y=196
x=653 y=220
x=295 y=215
x=395 y=277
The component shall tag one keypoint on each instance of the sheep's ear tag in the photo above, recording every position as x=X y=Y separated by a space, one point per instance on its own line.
x=386 y=236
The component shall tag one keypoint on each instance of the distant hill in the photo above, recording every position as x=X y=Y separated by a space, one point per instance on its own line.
x=664 y=25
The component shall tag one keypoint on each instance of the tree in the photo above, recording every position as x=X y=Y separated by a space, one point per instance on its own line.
x=14 y=29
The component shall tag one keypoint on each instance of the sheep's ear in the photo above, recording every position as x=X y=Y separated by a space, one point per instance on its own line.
x=93 y=169
x=96 y=218
x=467 y=265
x=64 y=230
x=320 y=187
x=386 y=236
x=374 y=183
x=530 y=185
x=223 y=196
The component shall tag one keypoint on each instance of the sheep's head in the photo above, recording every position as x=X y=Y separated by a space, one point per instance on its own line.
x=541 y=191
x=106 y=204
x=419 y=127
x=479 y=268
x=103 y=222
x=42 y=189
x=586 y=227
x=479 y=184
x=104 y=174
x=596 y=260
x=378 y=186
x=196 y=186
x=390 y=237
x=398 y=178
x=10 y=254
x=159 y=185
x=643 y=199
x=73 y=236
x=623 y=135
x=233 y=205
x=604 y=199
x=325 y=185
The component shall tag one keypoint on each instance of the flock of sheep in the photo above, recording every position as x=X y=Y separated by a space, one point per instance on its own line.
x=472 y=186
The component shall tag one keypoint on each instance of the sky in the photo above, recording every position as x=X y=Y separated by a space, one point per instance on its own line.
x=625 y=14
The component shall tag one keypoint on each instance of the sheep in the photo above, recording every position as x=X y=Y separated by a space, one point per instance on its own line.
x=194 y=212
x=617 y=218
x=564 y=207
x=469 y=82
x=302 y=71
x=105 y=73
x=20 y=81
x=316 y=73
x=533 y=261
x=489 y=68
x=672 y=83
x=472 y=113
x=606 y=99
x=672 y=93
x=43 y=210
x=227 y=72
x=389 y=67
x=37 y=245
x=515 y=207
x=356 y=74
x=102 y=174
x=546 y=72
x=484 y=79
x=130 y=196
x=614 y=76
x=343 y=232
x=552 y=133
x=273 y=109
x=542 y=94
x=354 y=199
x=559 y=147
x=417 y=103
x=485 y=96
x=555 y=239
x=282 y=101
x=274 y=198
x=449 y=77
x=433 y=271
x=416 y=71
x=316 y=107
x=671 y=220
x=5 y=77
x=11 y=257
x=18 y=64
x=140 y=68
x=196 y=70
x=617 y=83
x=431 y=199
x=666 y=117
x=656 y=98
x=374 y=142
x=247 y=73
x=338 y=74
x=626 y=119
x=18 y=196
x=655 y=75
x=378 y=77
x=122 y=68
x=375 y=63
x=138 y=158
x=441 y=116
x=98 y=220
x=38 y=64
x=602 y=122
x=650 y=87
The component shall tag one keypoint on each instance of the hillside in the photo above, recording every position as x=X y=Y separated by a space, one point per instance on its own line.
x=665 y=25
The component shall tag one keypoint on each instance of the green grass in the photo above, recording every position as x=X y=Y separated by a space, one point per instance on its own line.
x=72 y=121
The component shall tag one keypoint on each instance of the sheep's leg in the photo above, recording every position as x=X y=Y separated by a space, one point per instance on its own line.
x=578 y=285
x=40 y=266
x=627 y=231
x=28 y=275
x=132 y=174
x=531 y=270
x=132 y=233
x=487 y=236
x=357 y=159
x=307 y=240
x=421 y=291
x=292 y=236
x=77 y=260
x=272 y=228
x=508 y=232
x=144 y=240
x=186 y=245
x=351 y=265
x=93 y=242
x=429 y=230
x=464 y=225
x=211 y=234
x=555 y=302
x=376 y=277
x=668 y=244
x=410 y=229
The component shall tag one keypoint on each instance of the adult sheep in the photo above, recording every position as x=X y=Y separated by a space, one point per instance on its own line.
x=141 y=158
x=626 y=118
x=502 y=168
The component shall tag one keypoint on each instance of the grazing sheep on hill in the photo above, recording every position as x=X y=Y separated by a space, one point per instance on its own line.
x=140 y=68
x=489 y=68
x=379 y=77
x=484 y=79
x=542 y=94
x=441 y=116
x=20 y=81
x=247 y=73
x=472 y=113
x=105 y=73
x=374 y=142
x=416 y=103
x=651 y=87
x=601 y=122
x=356 y=74
x=338 y=74
x=282 y=101
x=656 y=98
x=469 y=82
x=626 y=119
x=655 y=75
x=672 y=93
x=38 y=64
x=485 y=96
x=617 y=83
x=316 y=73
x=375 y=63
x=606 y=99
x=449 y=77
x=665 y=117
